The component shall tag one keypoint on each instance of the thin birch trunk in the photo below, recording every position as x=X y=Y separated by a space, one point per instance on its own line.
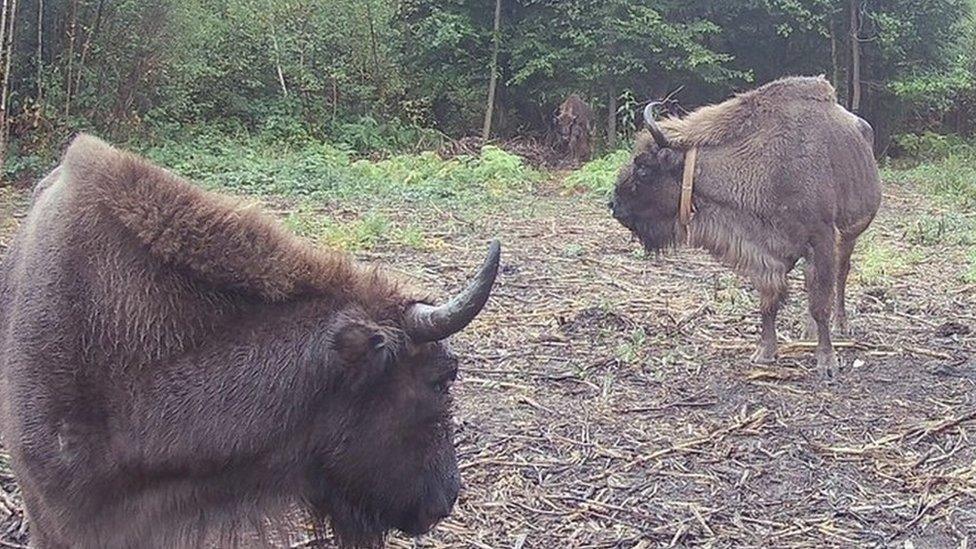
x=493 y=82
x=8 y=53
x=855 y=56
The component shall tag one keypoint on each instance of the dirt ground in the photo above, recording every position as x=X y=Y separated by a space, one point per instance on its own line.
x=607 y=399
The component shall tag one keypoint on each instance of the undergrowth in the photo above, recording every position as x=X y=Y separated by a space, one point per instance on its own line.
x=317 y=170
x=362 y=233
x=597 y=177
x=945 y=165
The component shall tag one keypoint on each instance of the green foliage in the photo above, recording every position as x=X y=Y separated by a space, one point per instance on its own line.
x=969 y=274
x=948 y=228
x=495 y=174
x=387 y=77
x=933 y=91
x=929 y=146
x=363 y=233
x=366 y=134
x=947 y=168
x=598 y=176
x=631 y=348
x=879 y=262
x=253 y=165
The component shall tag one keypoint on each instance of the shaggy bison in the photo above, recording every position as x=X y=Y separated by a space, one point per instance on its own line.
x=761 y=180
x=174 y=367
x=574 y=122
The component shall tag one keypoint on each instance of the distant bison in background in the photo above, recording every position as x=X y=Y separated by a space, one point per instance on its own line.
x=574 y=124
x=782 y=172
x=174 y=367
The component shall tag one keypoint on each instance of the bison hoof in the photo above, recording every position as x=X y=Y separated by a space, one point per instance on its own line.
x=827 y=364
x=764 y=355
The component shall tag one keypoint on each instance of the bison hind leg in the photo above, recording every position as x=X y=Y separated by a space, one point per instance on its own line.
x=845 y=247
x=841 y=325
x=770 y=299
x=820 y=278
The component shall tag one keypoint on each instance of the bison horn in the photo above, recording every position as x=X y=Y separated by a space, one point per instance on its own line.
x=424 y=322
x=659 y=137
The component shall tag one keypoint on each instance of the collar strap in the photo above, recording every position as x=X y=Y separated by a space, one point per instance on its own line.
x=685 y=208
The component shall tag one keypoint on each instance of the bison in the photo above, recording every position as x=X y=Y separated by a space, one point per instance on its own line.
x=574 y=124
x=761 y=180
x=175 y=369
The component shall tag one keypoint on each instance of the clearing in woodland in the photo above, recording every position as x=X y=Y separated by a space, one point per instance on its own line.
x=606 y=399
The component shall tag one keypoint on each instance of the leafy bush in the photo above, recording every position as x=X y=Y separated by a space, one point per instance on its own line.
x=364 y=233
x=930 y=146
x=599 y=176
x=425 y=176
x=367 y=135
x=254 y=165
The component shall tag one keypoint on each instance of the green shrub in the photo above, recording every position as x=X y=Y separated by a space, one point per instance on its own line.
x=367 y=135
x=931 y=146
x=254 y=165
x=599 y=176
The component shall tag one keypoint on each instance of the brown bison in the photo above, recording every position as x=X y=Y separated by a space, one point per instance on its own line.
x=574 y=123
x=772 y=175
x=175 y=369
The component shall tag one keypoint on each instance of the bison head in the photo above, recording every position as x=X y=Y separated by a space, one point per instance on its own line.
x=648 y=189
x=563 y=121
x=390 y=462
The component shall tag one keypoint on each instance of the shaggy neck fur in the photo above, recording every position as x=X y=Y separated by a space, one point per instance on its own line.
x=223 y=242
x=737 y=118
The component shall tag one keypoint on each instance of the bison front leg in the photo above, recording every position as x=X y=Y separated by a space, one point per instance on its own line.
x=820 y=283
x=770 y=299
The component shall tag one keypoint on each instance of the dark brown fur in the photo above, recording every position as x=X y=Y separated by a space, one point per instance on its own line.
x=574 y=121
x=175 y=367
x=783 y=173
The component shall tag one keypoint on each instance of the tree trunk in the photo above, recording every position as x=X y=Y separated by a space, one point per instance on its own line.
x=40 y=54
x=8 y=53
x=373 y=49
x=612 y=121
x=86 y=47
x=493 y=82
x=834 y=53
x=72 y=29
x=277 y=56
x=855 y=76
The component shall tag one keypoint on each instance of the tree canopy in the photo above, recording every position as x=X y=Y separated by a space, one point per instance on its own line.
x=322 y=67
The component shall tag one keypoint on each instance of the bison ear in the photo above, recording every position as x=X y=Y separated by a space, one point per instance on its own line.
x=670 y=159
x=365 y=353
